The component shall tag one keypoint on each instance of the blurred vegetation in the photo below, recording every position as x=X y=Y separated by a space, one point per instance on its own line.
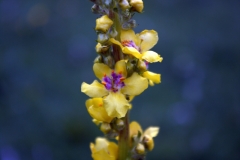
x=47 y=50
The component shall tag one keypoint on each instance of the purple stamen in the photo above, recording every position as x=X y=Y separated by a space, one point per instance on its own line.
x=130 y=43
x=114 y=82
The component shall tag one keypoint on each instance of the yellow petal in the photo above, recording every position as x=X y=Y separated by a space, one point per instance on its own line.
x=134 y=85
x=96 y=122
x=97 y=111
x=151 y=131
x=101 y=69
x=148 y=39
x=150 y=82
x=134 y=128
x=115 y=42
x=151 y=56
x=127 y=50
x=132 y=51
x=101 y=143
x=113 y=149
x=116 y=104
x=120 y=67
x=101 y=150
x=156 y=78
x=95 y=89
x=129 y=35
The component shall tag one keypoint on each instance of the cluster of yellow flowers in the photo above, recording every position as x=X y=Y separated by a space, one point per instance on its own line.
x=122 y=68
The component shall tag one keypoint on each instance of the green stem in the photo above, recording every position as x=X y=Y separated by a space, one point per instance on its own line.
x=117 y=53
x=123 y=142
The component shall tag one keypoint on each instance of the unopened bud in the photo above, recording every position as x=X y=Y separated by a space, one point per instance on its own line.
x=124 y=4
x=105 y=128
x=135 y=138
x=101 y=48
x=140 y=149
x=108 y=60
x=96 y=9
x=113 y=33
x=129 y=24
x=137 y=5
x=98 y=59
x=148 y=142
x=107 y=2
x=102 y=38
x=141 y=66
x=131 y=66
x=119 y=124
x=103 y=24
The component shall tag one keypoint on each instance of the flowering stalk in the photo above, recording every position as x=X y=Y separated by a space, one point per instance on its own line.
x=123 y=144
x=122 y=68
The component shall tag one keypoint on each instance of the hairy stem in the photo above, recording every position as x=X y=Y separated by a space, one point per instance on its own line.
x=123 y=142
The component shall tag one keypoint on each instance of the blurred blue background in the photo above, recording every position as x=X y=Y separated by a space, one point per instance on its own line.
x=47 y=50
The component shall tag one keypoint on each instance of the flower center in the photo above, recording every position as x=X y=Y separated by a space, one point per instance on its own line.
x=130 y=43
x=114 y=82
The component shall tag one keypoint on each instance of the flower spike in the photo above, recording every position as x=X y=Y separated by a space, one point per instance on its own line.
x=122 y=70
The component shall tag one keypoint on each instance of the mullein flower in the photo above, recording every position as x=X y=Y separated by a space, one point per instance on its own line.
x=103 y=24
x=104 y=150
x=97 y=111
x=138 y=45
x=146 y=136
x=115 y=87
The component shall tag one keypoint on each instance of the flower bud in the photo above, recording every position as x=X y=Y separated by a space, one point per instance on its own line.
x=102 y=38
x=103 y=24
x=129 y=24
x=112 y=134
x=119 y=124
x=105 y=128
x=107 y=2
x=98 y=59
x=148 y=142
x=96 y=9
x=135 y=138
x=141 y=66
x=113 y=33
x=101 y=48
x=140 y=149
x=137 y=5
x=124 y=4
x=131 y=66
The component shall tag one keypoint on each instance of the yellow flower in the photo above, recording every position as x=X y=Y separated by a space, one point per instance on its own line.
x=146 y=136
x=104 y=150
x=114 y=87
x=103 y=24
x=97 y=111
x=137 y=5
x=138 y=45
